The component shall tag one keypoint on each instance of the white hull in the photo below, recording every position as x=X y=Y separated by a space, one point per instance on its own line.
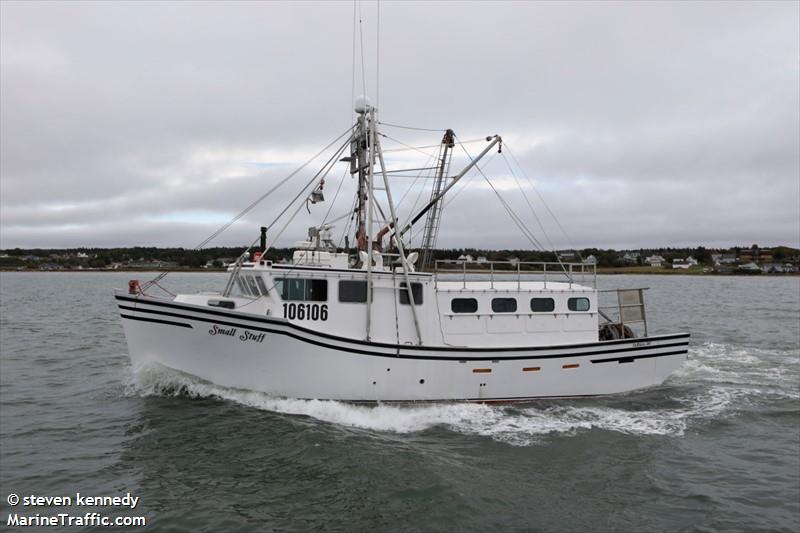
x=274 y=356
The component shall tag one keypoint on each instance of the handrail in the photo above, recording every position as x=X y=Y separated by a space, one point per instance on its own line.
x=515 y=268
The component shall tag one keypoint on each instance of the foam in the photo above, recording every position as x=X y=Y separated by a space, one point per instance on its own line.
x=775 y=373
x=520 y=425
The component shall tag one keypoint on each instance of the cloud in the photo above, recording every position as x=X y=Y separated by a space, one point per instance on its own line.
x=640 y=124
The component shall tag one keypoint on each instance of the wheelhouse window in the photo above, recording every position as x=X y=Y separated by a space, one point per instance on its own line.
x=504 y=305
x=261 y=285
x=308 y=290
x=251 y=284
x=578 y=304
x=352 y=291
x=463 y=305
x=542 y=305
x=416 y=292
x=243 y=288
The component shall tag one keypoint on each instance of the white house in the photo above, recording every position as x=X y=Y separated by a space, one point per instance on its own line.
x=654 y=260
x=685 y=264
x=750 y=267
x=630 y=257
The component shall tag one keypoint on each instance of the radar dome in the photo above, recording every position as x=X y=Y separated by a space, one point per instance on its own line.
x=363 y=104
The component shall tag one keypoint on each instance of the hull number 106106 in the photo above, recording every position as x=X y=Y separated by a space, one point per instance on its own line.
x=305 y=311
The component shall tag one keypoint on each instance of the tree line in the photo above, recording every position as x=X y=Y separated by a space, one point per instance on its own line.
x=189 y=258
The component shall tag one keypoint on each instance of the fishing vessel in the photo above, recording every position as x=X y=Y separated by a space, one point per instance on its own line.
x=379 y=321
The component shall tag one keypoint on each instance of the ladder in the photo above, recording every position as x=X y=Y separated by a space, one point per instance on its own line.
x=434 y=218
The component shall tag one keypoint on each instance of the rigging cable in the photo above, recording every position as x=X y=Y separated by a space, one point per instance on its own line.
x=517 y=220
x=530 y=182
x=461 y=187
x=335 y=196
x=524 y=195
x=442 y=130
x=250 y=207
x=361 y=40
x=378 y=62
x=324 y=172
x=408 y=146
x=353 y=69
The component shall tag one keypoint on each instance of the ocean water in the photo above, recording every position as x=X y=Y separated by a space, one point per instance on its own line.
x=717 y=447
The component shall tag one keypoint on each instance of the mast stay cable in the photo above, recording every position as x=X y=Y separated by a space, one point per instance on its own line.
x=249 y=208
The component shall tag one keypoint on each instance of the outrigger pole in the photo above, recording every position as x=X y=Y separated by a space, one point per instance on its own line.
x=399 y=241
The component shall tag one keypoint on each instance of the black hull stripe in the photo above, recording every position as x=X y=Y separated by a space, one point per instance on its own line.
x=420 y=357
x=394 y=347
x=630 y=358
x=157 y=321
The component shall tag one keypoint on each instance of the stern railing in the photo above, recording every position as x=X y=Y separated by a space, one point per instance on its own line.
x=629 y=310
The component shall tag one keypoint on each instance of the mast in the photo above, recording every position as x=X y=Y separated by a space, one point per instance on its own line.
x=359 y=165
x=370 y=189
x=434 y=218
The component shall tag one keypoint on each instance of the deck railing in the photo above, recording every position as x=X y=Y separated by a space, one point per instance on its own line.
x=515 y=270
x=628 y=310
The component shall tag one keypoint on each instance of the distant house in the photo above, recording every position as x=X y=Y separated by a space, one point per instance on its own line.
x=566 y=256
x=224 y=262
x=630 y=257
x=482 y=259
x=655 y=260
x=724 y=259
x=154 y=263
x=513 y=260
x=756 y=255
x=466 y=258
x=591 y=260
x=750 y=267
x=778 y=268
x=684 y=264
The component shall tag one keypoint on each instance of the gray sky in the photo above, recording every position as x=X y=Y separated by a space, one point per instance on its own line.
x=640 y=124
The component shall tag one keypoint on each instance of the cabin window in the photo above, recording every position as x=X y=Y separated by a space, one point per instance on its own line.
x=242 y=286
x=251 y=283
x=504 y=305
x=309 y=290
x=226 y=304
x=416 y=292
x=463 y=305
x=578 y=304
x=261 y=285
x=352 y=291
x=542 y=305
